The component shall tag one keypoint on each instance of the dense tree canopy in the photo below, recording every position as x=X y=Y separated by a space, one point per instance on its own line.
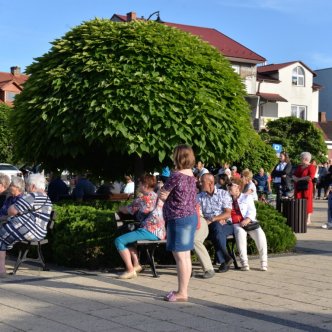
x=296 y=136
x=107 y=93
x=258 y=155
x=6 y=135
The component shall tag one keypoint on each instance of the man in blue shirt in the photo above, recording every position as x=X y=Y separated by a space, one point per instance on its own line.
x=216 y=206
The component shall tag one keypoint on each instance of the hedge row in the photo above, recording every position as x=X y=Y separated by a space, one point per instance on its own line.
x=84 y=235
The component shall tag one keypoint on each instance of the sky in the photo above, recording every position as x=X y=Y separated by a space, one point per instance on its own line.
x=279 y=30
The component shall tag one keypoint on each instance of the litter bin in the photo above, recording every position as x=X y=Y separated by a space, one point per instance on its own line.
x=295 y=210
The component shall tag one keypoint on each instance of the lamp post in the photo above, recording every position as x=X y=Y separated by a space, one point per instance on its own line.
x=158 y=19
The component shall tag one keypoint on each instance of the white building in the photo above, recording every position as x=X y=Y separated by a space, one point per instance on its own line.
x=286 y=89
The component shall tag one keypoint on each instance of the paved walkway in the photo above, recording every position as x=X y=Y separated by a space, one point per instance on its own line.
x=294 y=295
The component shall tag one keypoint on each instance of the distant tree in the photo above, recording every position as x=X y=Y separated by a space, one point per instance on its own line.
x=258 y=155
x=296 y=136
x=110 y=94
x=6 y=135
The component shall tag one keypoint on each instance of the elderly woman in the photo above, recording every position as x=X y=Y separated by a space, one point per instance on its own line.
x=147 y=209
x=244 y=213
x=249 y=185
x=29 y=217
x=303 y=176
x=16 y=190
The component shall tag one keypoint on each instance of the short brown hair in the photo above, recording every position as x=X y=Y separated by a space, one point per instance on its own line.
x=184 y=157
x=148 y=180
x=239 y=182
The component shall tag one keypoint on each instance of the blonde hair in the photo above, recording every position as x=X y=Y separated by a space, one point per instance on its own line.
x=183 y=157
x=246 y=173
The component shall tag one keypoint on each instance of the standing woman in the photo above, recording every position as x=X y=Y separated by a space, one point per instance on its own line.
x=303 y=176
x=179 y=194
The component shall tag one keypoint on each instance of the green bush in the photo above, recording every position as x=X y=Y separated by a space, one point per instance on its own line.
x=83 y=236
x=280 y=237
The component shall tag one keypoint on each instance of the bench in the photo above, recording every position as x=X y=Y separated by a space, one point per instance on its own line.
x=147 y=246
x=27 y=245
x=150 y=246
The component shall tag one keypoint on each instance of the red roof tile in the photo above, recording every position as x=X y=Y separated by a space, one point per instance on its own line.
x=227 y=46
x=276 y=67
x=326 y=128
x=271 y=96
x=7 y=77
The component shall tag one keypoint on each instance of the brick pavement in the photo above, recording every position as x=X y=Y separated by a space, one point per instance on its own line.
x=294 y=295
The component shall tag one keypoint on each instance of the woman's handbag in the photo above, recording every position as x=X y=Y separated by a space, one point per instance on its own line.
x=251 y=226
x=302 y=185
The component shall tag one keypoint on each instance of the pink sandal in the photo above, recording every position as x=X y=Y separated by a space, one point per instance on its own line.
x=171 y=297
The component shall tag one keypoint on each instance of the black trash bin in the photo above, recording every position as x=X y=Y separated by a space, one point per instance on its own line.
x=295 y=210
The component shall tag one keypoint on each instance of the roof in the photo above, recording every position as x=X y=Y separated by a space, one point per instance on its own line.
x=8 y=77
x=326 y=128
x=227 y=46
x=276 y=67
x=267 y=78
x=271 y=96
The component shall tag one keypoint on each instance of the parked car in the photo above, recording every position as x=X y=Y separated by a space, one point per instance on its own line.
x=10 y=170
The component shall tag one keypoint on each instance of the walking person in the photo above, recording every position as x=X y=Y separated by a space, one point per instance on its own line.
x=179 y=194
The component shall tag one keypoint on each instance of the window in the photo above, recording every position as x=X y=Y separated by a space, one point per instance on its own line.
x=10 y=95
x=236 y=68
x=298 y=76
x=299 y=111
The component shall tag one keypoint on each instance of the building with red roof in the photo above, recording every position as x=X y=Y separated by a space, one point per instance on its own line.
x=11 y=84
x=286 y=89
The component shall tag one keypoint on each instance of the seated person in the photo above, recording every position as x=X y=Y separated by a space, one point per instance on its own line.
x=223 y=181
x=244 y=212
x=129 y=187
x=249 y=186
x=147 y=209
x=84 y=187
x=57 y=188
x=30 y=216
x=16 y=190
x=261 y=180
x=216 y=206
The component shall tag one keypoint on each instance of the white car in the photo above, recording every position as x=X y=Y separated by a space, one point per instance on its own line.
x=10 y=170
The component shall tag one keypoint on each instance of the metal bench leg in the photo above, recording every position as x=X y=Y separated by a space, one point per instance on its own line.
x=150 y=255
x=231 y=252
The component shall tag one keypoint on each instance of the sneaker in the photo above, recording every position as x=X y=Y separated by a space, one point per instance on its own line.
x=263 y=268
x=245 y=268
x=208 y=274
x=327 y=226
x=127 y=275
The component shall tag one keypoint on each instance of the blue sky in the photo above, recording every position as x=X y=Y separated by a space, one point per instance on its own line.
x=278 y=30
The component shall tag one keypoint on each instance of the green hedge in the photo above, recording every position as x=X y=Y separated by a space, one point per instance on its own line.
x=84 y=235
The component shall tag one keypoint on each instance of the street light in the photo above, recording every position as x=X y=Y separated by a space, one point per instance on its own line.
x=158 y=19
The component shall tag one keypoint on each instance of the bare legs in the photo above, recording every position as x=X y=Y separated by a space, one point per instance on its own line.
x=130 y=258
x=183 y=266
x=309 y=219
x=2 y=262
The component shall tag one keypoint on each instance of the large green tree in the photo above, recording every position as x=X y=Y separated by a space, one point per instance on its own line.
x=107 y=94
x=296 y=136
x=6 y=135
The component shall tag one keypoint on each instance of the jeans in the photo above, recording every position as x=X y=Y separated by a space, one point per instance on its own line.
x=218 y=235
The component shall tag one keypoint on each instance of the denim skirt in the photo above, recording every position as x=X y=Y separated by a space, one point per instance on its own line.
x=180 y=233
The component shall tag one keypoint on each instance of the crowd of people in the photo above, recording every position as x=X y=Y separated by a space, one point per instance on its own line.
x=195 y=204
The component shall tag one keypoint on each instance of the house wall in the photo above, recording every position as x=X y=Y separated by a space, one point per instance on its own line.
x=295 y=95
x=324 y=78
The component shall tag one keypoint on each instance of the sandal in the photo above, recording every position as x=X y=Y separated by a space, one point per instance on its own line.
x=171 y=297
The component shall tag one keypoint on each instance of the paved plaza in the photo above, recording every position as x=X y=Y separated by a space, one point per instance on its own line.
x=294 y=295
